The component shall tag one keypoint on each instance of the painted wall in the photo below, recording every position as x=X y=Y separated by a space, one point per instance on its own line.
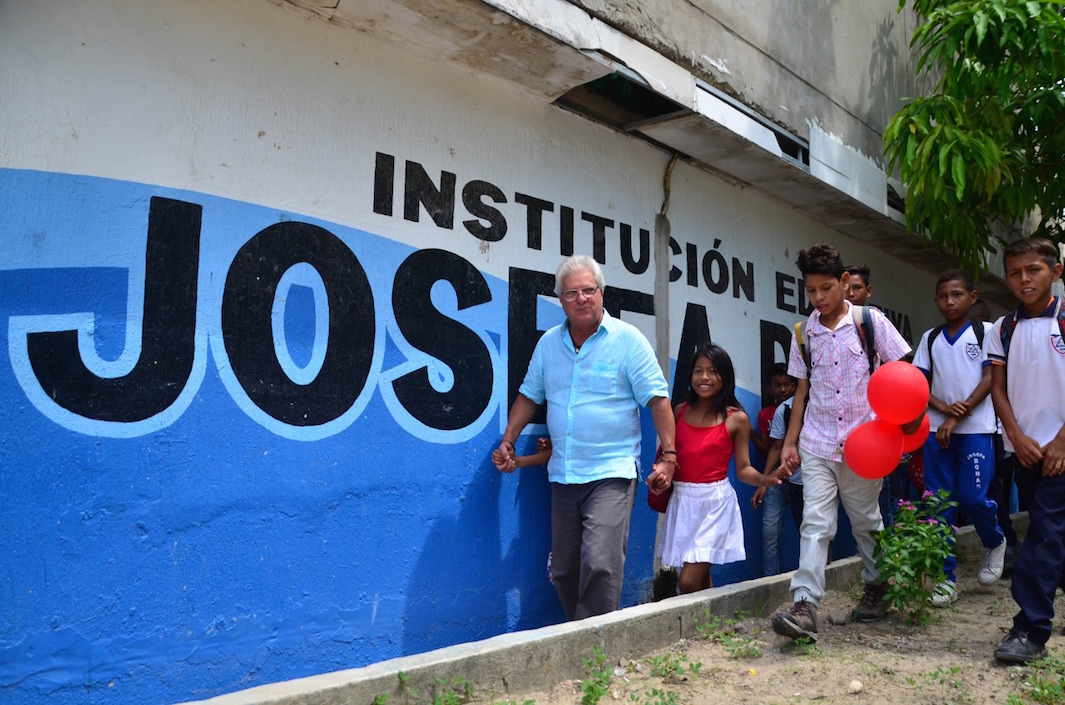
x=267 y=288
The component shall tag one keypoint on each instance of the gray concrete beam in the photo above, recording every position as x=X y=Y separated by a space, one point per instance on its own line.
x=538 y=659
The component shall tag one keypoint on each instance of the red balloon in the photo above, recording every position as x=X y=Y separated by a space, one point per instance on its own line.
x=898 y=392
x=913 y=441
x=873 y=449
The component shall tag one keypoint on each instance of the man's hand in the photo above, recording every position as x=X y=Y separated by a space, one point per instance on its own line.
x=1054 y=456
x=758 y=497
x=661 y=476
x=959 y=409
x=944 y=431
x=1028 y=451
x=503 y=457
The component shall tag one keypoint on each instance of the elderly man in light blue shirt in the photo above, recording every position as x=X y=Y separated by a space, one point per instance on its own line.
x=594 y=372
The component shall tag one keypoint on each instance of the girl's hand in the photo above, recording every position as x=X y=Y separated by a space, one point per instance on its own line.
x=661 y=476
x=543 y=444
x=772 y=479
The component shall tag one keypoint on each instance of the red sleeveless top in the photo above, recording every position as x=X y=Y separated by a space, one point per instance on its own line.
x=703 y=452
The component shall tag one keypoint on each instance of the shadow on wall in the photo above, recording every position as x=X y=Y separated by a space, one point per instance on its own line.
x=465 y=585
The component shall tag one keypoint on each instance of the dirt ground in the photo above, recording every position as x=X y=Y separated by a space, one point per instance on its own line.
x=741 y=660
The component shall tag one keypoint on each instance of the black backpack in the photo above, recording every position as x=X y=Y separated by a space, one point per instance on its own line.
x=978 y=331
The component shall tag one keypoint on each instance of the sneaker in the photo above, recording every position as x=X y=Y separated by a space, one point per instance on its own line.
x=945 y=594
x=1018 y=647
x=991 y=566
x=798 y=622
x=871 y=608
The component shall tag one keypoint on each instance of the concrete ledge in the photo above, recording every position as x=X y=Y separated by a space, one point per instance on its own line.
x=537 y=659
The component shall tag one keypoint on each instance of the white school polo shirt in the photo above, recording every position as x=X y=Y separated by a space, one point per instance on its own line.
x=957 y=365
x=1035 y=380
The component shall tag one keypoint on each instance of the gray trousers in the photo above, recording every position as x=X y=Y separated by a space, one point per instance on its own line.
x=589 y=538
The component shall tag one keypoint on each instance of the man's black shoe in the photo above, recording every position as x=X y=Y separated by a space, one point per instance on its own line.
x=1018 y=647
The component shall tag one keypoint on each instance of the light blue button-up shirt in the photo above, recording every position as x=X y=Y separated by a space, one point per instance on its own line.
x=593 y=399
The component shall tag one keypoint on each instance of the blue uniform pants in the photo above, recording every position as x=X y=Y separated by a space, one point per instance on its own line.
x=1041 y=562
x=965 y=469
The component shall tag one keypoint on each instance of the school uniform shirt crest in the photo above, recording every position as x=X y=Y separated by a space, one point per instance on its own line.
x=1035 y=394
x=957 y=365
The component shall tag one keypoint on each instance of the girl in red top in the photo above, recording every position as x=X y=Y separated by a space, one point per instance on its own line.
x=702 y=523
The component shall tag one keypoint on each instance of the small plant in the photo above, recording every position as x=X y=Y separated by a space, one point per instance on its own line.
x=911 y=553
x=804 y=647
x=673 y=666
x=381 y=699
x=411 y=692
x=1042 y=682
x=661 y=697
x=597 y=682
x=457 y=691
x=666 y=666
x=725 y=632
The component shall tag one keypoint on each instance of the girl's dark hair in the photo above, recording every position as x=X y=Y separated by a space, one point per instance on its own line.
x=821 y=259
x=723 y=364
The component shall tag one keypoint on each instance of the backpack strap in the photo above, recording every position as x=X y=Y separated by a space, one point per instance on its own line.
x=1061 y=319
x=978 y=331
x=804 y=350
x=1005 y=333
x=932 y=335
x=863 y=323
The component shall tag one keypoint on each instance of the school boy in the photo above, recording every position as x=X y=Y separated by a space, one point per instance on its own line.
x=781 y=386
x=776 y=498
x=959 y=455
x=1027 y=354
x=836 y=382
x=859 y=287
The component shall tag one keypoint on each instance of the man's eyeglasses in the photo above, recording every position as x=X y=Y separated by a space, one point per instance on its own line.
x=587 y=292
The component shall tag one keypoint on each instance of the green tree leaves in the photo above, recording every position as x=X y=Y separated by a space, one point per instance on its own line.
x=988 y=145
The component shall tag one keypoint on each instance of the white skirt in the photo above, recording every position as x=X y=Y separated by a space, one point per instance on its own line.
x=702 y=525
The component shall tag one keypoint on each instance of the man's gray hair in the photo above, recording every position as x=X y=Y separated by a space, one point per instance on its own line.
x=575 y=264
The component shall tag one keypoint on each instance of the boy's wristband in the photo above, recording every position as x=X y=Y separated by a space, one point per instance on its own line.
x=669 y=452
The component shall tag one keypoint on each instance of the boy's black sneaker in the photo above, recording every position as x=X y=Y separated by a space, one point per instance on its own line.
x=871 y=608
x=1018 y=647
x=798 y=622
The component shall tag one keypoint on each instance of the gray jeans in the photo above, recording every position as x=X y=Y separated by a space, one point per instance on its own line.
x=826 y=485
x=589 y=538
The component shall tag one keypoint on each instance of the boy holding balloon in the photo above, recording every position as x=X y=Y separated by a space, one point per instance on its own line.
x=959 y=454
x=836 y=382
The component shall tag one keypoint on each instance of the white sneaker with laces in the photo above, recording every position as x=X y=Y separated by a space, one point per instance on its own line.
x=991 y=565
x=945 y=594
